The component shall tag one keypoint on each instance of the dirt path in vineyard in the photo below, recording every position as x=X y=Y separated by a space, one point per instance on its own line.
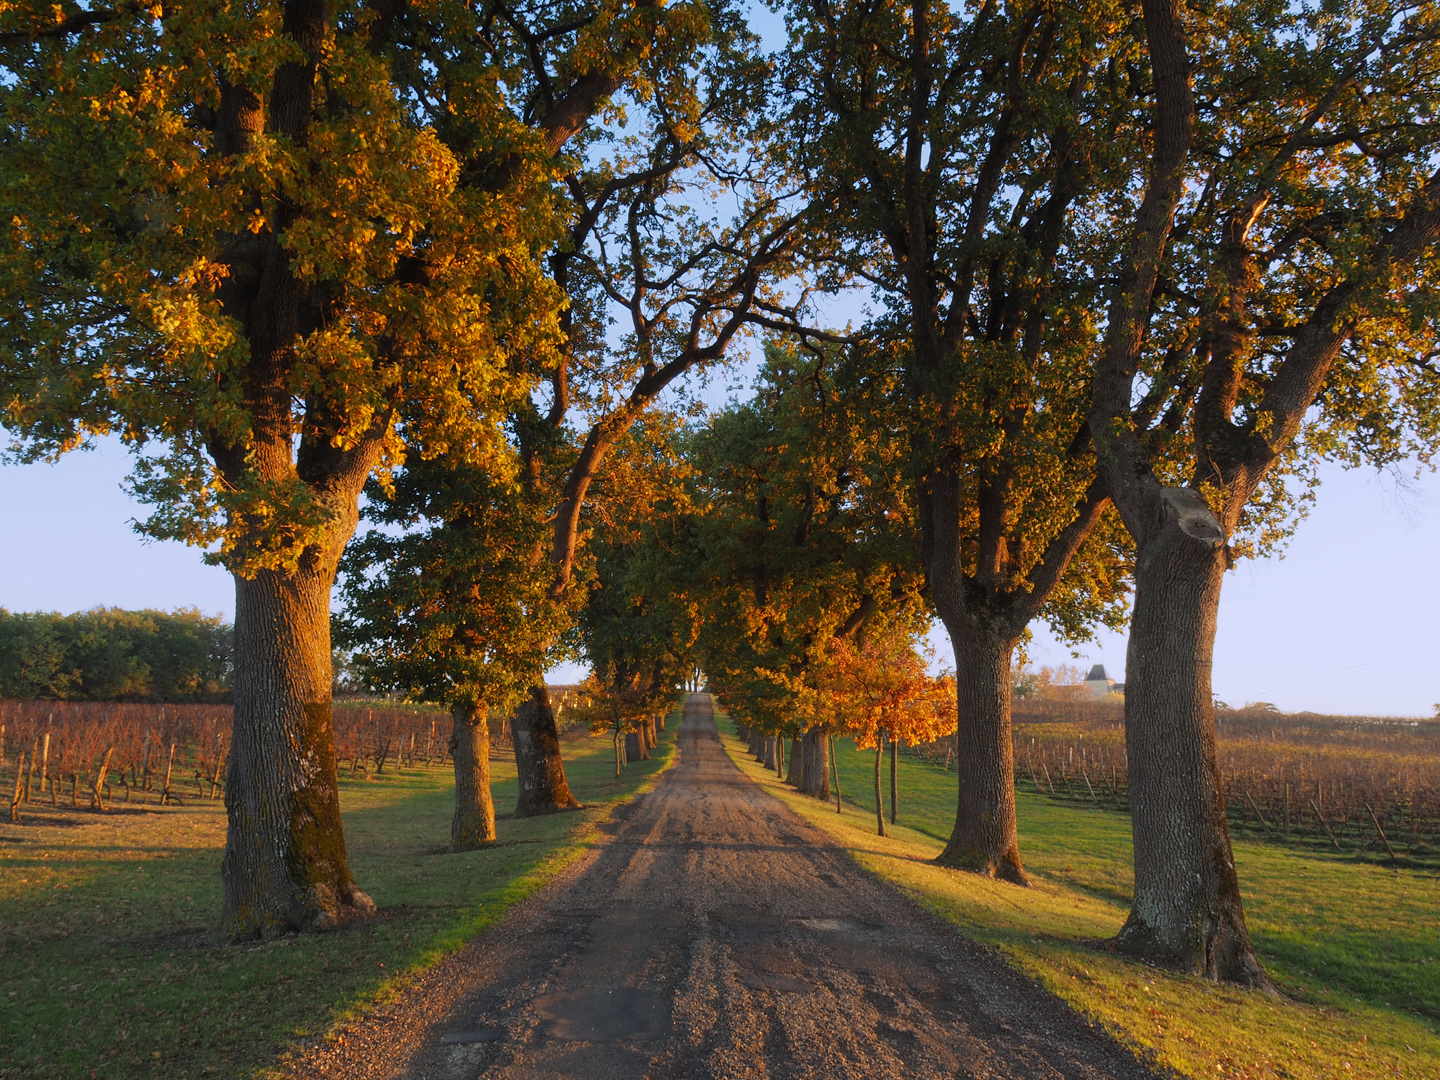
x=718 y=935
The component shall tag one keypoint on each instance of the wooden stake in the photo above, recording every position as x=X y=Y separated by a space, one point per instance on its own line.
x=19 y=776
x=1257 y=812
x=97 y=800
x=1378 y=829
x=1324 y=824
x=169 y=768
x=30 y=772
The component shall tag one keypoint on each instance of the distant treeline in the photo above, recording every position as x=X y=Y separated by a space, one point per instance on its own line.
x=112 y=655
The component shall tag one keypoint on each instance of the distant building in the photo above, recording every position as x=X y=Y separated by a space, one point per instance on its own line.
x=1099 y=686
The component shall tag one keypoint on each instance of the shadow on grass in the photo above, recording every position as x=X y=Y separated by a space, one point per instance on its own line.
x=105 y=933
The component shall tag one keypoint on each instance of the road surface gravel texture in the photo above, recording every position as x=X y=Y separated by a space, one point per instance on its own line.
x=716 y=934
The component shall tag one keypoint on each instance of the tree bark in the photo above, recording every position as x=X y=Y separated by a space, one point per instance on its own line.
x=796 y=773
x=770 y=741
x=474 y=823
x=634 y=748
x=879 y=795
x=543 y=787
x=815 y=778
x=1187 y=908
x=984 y=839
x=285 y=866
x=894 y=782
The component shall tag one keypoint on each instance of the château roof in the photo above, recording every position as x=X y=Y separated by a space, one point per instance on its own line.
x=1097 y=674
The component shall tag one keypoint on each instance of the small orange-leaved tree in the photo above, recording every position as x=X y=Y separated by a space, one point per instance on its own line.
x=883 y=693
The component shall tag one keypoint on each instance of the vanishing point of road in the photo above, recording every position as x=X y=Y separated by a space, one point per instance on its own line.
x=718 y=935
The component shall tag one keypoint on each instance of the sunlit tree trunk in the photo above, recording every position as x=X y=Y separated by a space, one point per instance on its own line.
x=473 y=825
x=796 y=773
x=985 y=839
x=815 y=779
x=285 y=866
x=1187 y=906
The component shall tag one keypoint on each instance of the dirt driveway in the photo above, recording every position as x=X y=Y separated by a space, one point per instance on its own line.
x=718 y=935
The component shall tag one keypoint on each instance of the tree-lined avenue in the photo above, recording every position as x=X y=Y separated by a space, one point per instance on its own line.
x=718 y=935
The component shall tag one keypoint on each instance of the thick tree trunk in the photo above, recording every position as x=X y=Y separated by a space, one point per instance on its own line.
x=543 y=788
x=285 y=866
x=770 y=741
x=796 y=773
x=474 y=823
x=634 y=748
x=1187 y=908
x=879 y=795
x=984 y=839
x=815 y=779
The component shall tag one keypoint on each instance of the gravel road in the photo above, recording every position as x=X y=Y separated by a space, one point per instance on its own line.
x=718 y=935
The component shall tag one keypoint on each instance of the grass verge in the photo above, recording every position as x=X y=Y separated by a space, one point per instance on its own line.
x=1356 y=947
x=107 y=958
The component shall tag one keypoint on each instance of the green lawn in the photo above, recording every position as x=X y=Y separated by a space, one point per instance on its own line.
x=1354 y=946
x=107 y=960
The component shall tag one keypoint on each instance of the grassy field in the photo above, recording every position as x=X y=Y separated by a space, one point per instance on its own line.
x=107 y=958
x=1355 y=947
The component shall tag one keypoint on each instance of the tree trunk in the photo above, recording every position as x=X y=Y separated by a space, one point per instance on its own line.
x=894 y=782
x=879 y=796
x=543 y=788
x=1187 y=908
x=770 y=741
x=634 y=748
x=796 y=773
x=285 y=866
x=815 y=779
x=474 y=823
x=984 y=839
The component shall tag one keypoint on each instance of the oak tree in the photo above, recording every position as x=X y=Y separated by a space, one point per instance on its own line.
x=1276 y=304
x=966 y=158
x=246 y=239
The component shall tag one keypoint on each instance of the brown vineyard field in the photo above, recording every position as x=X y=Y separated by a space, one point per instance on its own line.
x=1365 y=786
x=95 y=753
